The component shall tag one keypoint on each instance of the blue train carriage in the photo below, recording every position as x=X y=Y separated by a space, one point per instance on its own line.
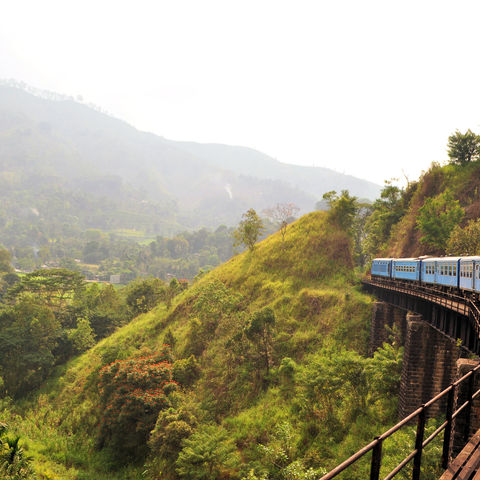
x=469 y=278
x=382 y=267
x=406 y=269
x=429 y=270
x=442 y=271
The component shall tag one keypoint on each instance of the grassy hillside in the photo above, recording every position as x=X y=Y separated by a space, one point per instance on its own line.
x=298 y=400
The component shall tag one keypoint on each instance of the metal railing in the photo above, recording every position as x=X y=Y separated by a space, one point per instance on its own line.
x=420 y=443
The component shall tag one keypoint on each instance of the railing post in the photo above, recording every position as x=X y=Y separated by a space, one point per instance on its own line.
x=376 y=460
x=417 y=459
x=447 y=436
x=468 y=408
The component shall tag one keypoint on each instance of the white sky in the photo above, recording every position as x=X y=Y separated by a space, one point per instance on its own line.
x=368 y=88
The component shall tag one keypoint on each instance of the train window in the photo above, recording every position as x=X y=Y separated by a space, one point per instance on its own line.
x=454 y=270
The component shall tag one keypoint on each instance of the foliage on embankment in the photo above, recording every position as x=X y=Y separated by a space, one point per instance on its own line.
x=269 y=351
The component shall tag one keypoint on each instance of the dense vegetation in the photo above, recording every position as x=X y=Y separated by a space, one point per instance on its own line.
x=268 y=352
x=98 y=255
x=436 y=215
x=257 y=369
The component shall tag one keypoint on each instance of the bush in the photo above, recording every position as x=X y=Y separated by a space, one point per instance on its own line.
x=186 y=371
x=208 y=454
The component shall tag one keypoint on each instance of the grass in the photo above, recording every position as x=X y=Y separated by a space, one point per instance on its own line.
x=308 y=280
x=140 y=236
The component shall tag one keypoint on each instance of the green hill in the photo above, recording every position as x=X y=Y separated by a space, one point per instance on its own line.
x=269 y=352
x=421 y=219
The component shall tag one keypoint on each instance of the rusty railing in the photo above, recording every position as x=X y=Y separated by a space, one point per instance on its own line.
x=420 y=443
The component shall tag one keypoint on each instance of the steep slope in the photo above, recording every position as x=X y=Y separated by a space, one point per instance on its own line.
x=320 y=316
x=462 y=181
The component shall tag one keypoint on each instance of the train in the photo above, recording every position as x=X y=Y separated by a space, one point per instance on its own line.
x=462 y=273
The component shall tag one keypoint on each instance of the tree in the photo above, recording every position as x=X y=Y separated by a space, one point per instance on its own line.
x=437 y=218
x=387 y=211
x=209 y=454
x=106 y=310
x=466 y=240
x=463 y=147
x=186 y=371
x=259 y=331
x=5 y=261
x=171 y=428
x=282 y=214
x=132 y=393
x=82 y=337
x=14 y=463
x=28 y=336
x=343 y=208
x=248 y=230
x=143 y=295
x=55 y=286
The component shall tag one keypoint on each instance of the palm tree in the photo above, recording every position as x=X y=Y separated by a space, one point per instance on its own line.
x=14 y=463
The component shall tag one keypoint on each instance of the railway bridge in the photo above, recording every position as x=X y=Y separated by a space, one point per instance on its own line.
x=440 y=332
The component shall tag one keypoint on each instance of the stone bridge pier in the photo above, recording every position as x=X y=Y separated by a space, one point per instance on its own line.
x=429 y=359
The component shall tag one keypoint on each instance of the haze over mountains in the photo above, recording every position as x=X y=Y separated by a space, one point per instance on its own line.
x=64 y=163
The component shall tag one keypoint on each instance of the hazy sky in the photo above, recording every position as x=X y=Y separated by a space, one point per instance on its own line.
x=364 y=87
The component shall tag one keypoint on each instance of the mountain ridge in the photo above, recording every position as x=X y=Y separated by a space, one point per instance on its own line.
x=77 y=169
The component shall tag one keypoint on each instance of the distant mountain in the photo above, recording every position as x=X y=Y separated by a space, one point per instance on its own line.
x=246 y=161
x=65 y=165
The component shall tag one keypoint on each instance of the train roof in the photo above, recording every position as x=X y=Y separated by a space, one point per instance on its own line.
x=412 y=259
x=426 y=258
x=396 y=259
x=450 y=259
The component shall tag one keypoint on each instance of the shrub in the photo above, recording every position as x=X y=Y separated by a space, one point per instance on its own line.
x=186 y=371
x=208 y=454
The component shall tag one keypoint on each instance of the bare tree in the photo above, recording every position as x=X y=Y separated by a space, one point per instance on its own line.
x=282 y=214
